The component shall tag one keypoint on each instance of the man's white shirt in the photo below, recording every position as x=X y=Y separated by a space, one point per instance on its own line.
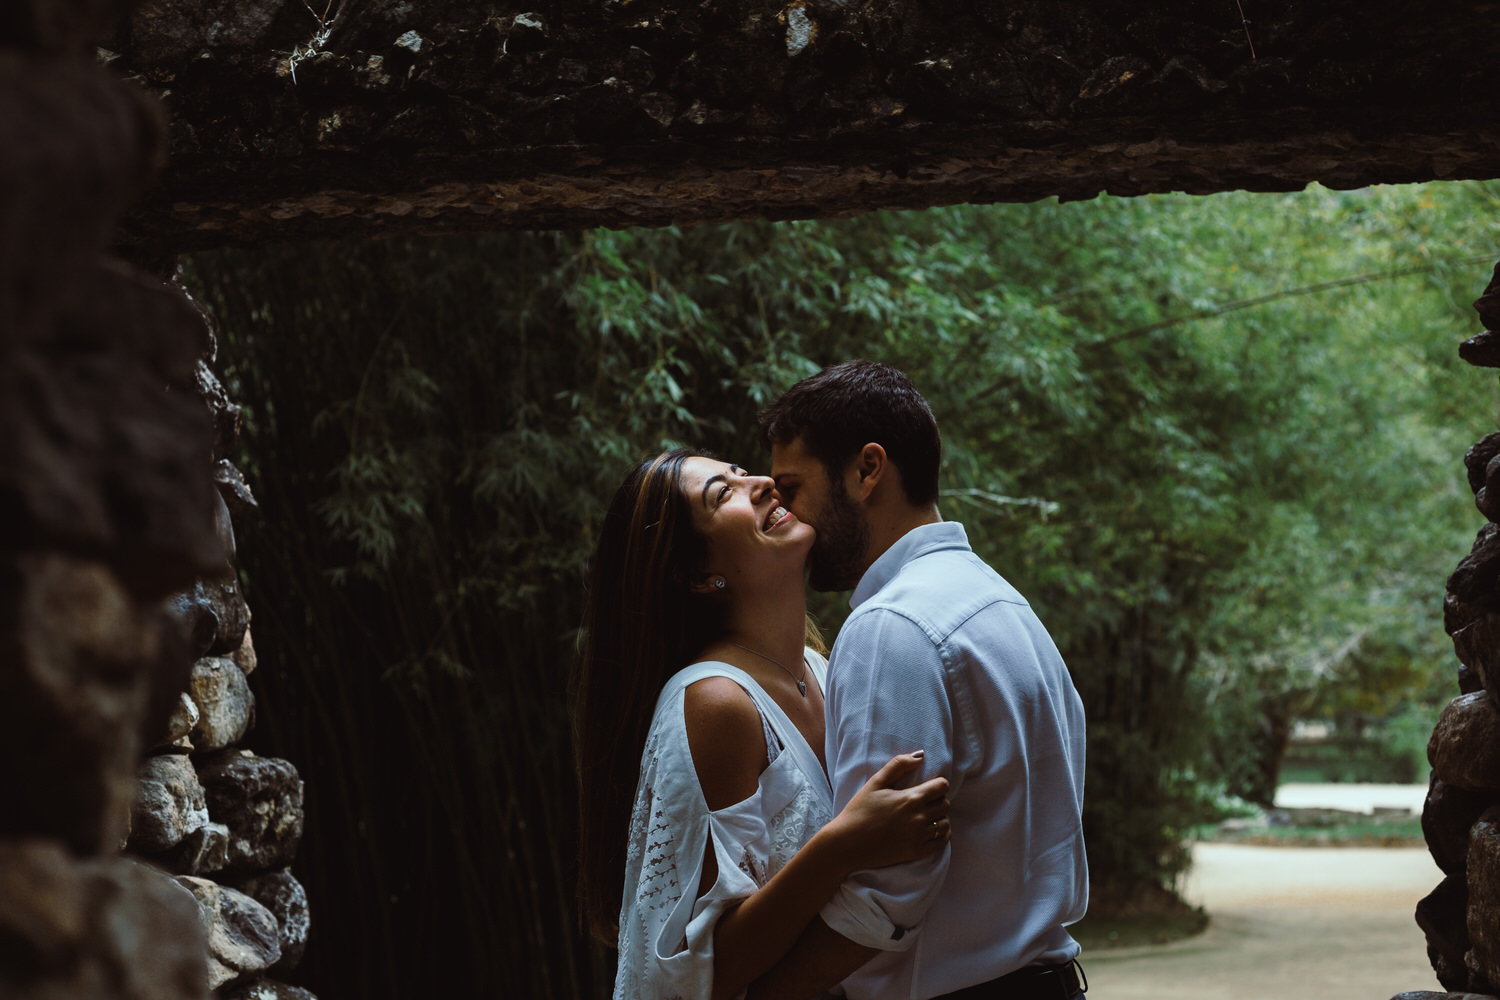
x=940 y=654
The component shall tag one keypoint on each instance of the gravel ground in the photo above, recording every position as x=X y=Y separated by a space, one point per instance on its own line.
x=1288 y=923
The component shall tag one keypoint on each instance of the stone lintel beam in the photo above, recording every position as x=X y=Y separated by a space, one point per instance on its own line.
x=380 y=117
x=334 y=196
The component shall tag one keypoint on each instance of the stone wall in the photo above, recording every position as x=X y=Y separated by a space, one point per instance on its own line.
x=1461 y=819
x=117 y=590
x=225 y=821
x=107 y=510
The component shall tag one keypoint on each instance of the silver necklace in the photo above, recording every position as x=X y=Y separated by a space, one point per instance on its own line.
x=801 y=684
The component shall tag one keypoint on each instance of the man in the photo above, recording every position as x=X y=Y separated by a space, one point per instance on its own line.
x=941 y=655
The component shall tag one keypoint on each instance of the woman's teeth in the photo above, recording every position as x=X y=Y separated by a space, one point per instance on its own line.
x=776 y=516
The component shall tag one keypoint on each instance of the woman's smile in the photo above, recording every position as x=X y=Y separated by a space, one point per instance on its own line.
x=777 y=515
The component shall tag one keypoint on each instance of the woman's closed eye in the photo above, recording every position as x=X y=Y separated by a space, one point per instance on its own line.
x=727 y=489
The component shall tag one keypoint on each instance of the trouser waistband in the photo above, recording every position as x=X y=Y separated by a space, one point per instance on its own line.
x=1031 y=982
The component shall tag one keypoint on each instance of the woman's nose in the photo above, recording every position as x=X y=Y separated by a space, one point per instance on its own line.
x=763 y=485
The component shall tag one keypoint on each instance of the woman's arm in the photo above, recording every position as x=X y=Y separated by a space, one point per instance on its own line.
x=880 y=826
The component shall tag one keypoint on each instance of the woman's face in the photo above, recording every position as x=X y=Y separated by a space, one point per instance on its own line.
x=751 y=538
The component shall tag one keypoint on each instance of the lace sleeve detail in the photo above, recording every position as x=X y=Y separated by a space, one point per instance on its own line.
x=652 y=847
x=666 y=931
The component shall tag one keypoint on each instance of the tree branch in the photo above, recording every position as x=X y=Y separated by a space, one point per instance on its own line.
x=1285 y=293
x=1249 y=303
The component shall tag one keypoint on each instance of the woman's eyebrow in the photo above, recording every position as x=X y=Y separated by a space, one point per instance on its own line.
x=711 y=480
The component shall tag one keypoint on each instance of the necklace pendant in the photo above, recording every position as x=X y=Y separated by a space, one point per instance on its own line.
x=801 y=685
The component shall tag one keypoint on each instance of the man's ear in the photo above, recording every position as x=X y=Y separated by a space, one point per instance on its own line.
x=871 y=466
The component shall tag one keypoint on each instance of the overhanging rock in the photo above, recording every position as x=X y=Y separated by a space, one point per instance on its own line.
x=294 y=119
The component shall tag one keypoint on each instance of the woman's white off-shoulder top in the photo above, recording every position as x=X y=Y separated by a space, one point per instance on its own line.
x=666 y=933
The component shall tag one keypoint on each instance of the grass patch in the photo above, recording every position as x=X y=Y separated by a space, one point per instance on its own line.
x=1406 y=832
x=1156 y=918
x=1098 y=934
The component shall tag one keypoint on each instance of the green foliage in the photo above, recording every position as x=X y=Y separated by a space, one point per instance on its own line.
x=1214 y=440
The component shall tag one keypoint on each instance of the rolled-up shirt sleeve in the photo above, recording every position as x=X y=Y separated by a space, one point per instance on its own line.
x=887 y=694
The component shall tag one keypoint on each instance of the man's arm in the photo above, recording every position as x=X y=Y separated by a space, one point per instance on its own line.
x=890 y=693
x=820 y=958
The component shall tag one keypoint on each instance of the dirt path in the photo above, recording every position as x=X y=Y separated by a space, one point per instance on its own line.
x=1288 y=923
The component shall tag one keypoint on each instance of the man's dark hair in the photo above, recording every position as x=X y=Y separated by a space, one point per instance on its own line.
x=840 y=409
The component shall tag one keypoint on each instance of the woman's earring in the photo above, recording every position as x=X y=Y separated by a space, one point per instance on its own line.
x=719 y=583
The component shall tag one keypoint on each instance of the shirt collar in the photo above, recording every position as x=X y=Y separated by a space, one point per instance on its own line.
x=917 y=542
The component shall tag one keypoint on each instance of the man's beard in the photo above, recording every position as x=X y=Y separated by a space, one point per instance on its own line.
x=843 y=538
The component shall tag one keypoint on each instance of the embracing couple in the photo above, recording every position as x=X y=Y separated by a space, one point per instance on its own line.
x=900 y=822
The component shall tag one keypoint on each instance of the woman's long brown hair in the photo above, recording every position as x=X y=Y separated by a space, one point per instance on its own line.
x=642 y=624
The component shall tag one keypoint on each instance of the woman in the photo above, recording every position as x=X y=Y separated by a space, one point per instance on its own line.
x=707 y=823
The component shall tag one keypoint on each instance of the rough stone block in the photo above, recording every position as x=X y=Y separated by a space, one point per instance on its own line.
x=202 y=852
x=241 y=933
x=224 y=529
x=112 y=466
x=211 y=615
x=264 y=989
x=1487 y=502
x=244 y=657
x=1488 y=304
x=1442 y=915
x=227 y=415
x=1484 y=899
x=284 y=896
x=234 y=616
x=184 y=718
x=1451 y=975
x=55 y=25
x=92 y=140
x=224 y=701
x=1481 y=350
x=1448 y=815
x=1478 y=983
x=173 y=30
x=195 y=618
x=1477 y=645
x=169 y=804
x=233 y=488
x=104 y=928
x=1478 y=458
x=1464 y=750
x=1488 y=497
x=1479 y=571
x=1458 y=613
x=260 y=800
x=86 y=686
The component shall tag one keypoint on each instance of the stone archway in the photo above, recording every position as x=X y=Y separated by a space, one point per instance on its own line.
x=287 y=119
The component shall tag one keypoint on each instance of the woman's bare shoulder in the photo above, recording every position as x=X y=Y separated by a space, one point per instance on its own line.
x=726 y=738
